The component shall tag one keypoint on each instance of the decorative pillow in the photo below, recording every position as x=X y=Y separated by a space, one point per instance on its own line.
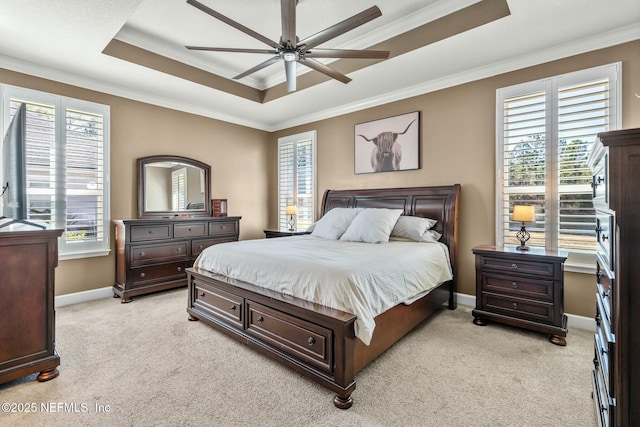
x=334 y=223
x=412 y=227
x=372 y=225
x=430 y=236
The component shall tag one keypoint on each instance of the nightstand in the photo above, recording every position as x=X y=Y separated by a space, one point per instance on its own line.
x=521 y=288
x=283 y=233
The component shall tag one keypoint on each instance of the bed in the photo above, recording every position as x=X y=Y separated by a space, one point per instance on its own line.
x=316 y=340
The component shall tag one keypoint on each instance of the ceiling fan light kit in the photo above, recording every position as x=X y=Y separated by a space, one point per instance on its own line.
x=291 y=50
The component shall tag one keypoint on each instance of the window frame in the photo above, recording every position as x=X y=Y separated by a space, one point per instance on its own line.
x=62 y=105
x=281 y=208
x=577 y=261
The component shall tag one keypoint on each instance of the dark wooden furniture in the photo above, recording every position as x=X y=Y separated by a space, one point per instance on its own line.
x=283 y=233
x=521 y=288
x=317 y=341
x=27 y=320
x=615 y=162
x=152 y=254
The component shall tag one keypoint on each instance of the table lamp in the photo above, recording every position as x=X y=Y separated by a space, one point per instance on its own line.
x=291 y=211
x=523 y=214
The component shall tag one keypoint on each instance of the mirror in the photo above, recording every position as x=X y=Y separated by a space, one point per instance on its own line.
x=170 y=186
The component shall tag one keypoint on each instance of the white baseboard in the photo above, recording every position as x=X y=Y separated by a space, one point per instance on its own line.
x=573 y=320
x=83 y=296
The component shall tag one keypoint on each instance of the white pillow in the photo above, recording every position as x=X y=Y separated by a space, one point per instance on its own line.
x=412 y=227
x=372 y=225
x=428 y=236
x=334 y=223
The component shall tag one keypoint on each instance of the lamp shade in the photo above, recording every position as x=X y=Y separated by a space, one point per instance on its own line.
x=523 y=213
x=292 y=210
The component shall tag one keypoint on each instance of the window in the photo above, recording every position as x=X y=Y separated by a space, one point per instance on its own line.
x=545 y=131
x=179 y=189
x=296 y=179
x=67 y=144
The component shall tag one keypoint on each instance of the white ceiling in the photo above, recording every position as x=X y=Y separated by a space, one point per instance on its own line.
x=63 y=40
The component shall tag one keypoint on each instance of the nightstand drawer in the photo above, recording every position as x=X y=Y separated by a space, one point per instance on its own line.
x=516 y=266
x=541 y=290
x=518 y=307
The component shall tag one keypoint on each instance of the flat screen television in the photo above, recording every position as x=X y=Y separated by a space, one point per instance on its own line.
x=14 y=170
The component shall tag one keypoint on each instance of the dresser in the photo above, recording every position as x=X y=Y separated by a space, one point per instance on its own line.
x=615 y=163
x=27 y=319
x=152 y=254
x=521 y=288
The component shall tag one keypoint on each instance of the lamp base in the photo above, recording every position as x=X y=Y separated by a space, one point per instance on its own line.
x=522 y=248
x=523 y=235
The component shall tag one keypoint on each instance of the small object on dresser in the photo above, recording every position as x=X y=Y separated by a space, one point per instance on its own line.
x=291 y=211
x=523 y=214
x=219 y=207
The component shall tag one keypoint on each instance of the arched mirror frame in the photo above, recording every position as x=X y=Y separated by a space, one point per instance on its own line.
x=143 y=162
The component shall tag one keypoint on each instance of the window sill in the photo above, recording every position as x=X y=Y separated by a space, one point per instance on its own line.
x=88 y=254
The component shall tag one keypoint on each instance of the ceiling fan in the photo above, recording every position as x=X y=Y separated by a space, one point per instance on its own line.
x=291 y=49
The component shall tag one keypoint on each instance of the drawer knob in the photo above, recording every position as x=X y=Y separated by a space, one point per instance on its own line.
x=604 y=238
x=514 y=284
x=233 y=307
x=178 y=249
x=150 y=231
x=222 y=227
x=200 y=247
x=514 y=305
x=189 y=229
x=311 y=341
x=514 y=266
x=598 y=319
x=201 y=294
x=142 y=254
x=142 y=274
x=260 y=319
x=603 y=351
x=179 y=268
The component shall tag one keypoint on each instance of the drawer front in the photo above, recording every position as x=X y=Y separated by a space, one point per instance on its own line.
x=518 y=307
x=142 y=276
x=148 y=254
x=599 y=183
x=605 y=226
x=218 y=303
x=303 y=340
x=190 y=230
x=199 y=245
x=540 y=290
x=223 y=228
x=605 y=284
x=605 y=345
x=601 y=401
x=541 y=269
x=142 y=233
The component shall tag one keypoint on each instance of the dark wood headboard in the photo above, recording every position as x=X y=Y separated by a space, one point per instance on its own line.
x=439 y=203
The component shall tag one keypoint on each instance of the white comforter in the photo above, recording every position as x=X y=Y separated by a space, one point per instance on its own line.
x=361 y=278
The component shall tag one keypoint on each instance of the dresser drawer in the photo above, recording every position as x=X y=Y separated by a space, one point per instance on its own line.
x=148 y=254
x=165 y=272
x=602 y=402
x=605 y=226
x=543 y=269
x=541 y=290
x=599 y=184
x=141 y=233
x=197 y=246
x=219 y=304
x=223 y=228
x=305 y=341
x=189 y=230
x=605 y=286
x=518 y=307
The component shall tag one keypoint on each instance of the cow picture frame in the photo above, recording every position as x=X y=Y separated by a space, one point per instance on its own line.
x=387 y=145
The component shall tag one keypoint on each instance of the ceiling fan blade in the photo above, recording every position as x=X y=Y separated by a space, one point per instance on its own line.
x=340 y=28
x=258 y=67
x=319 y=66
x=288 y=22
x=290 y=71
x=347 y=53
x=233 y=23
x=231 y=49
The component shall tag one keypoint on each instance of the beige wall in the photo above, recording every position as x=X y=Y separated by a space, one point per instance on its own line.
x=237 y=155
x=458 y=139
x=458 y=146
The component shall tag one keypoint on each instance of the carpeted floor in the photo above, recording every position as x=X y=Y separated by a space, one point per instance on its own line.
x=144 y=364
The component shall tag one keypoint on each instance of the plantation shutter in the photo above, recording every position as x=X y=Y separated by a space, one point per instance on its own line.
x=67 y=168
x=179 y=189
x=296 y=179
x=546 y=132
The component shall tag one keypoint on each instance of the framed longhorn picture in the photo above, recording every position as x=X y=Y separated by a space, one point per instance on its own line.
x=387 y=145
